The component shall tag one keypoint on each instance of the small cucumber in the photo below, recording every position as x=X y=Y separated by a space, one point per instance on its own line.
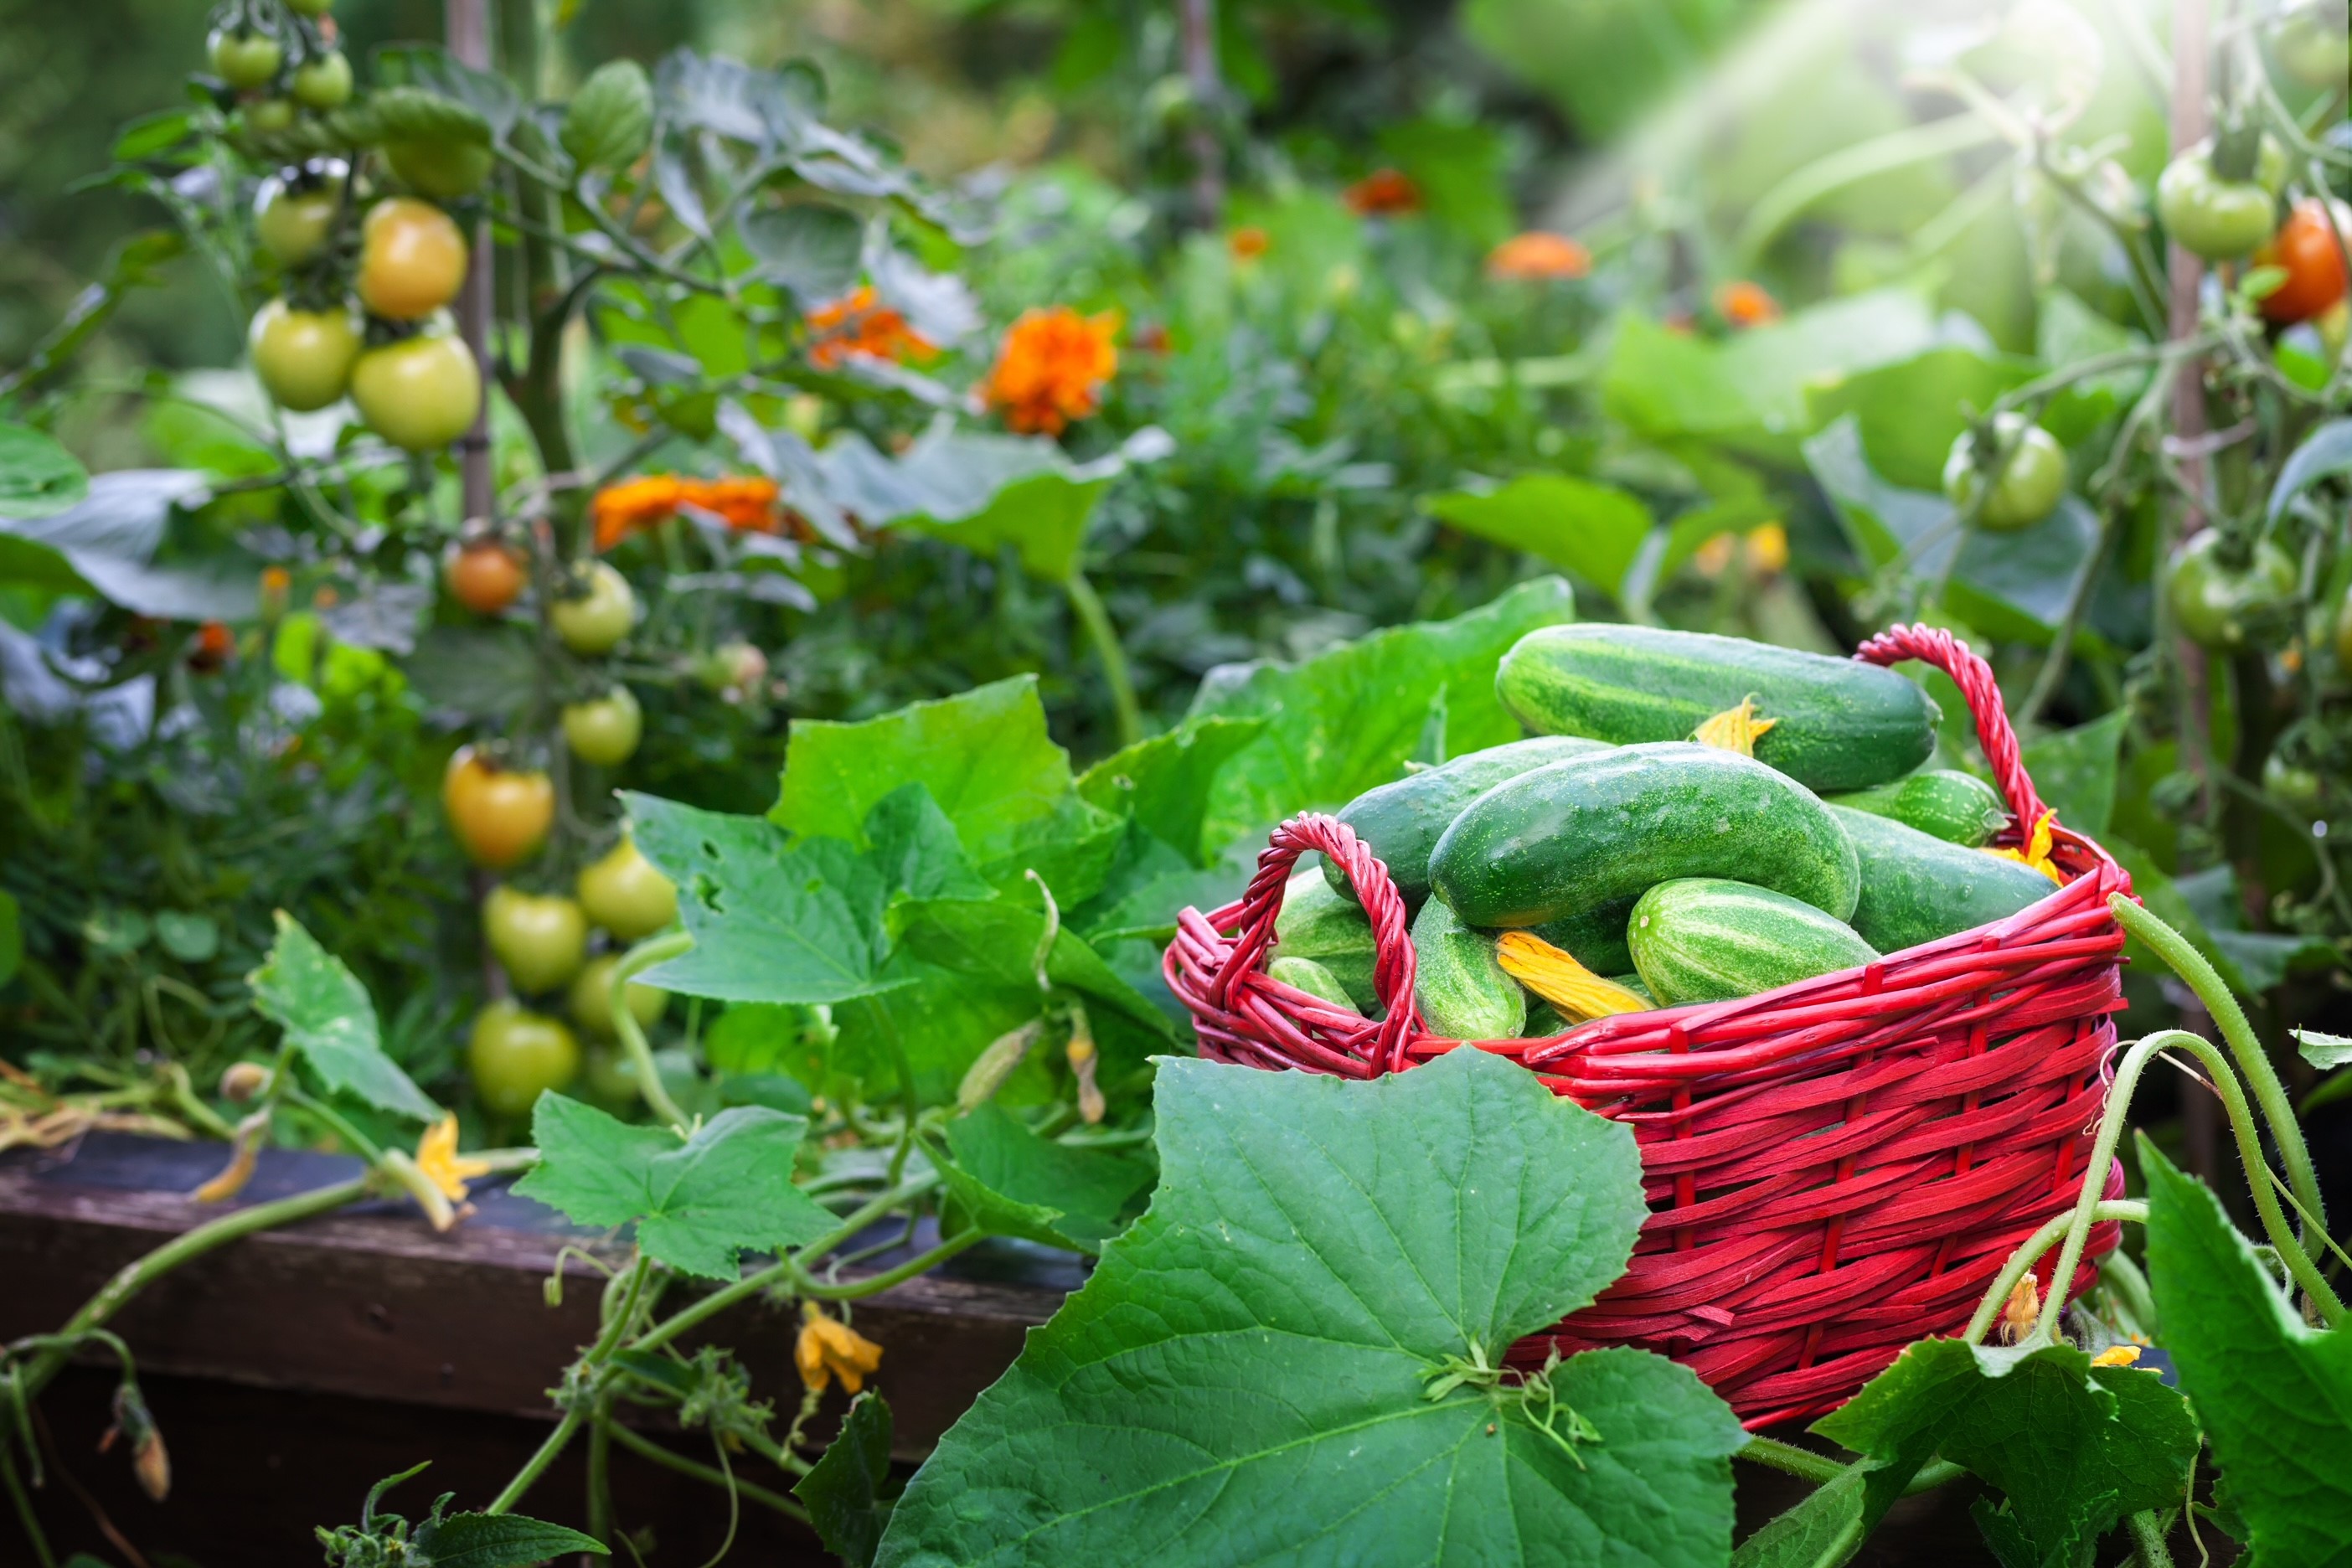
x=1305 y=975
x=1916 y=887
x=1320 y=924
x=1836 y=724
x=1462 y=991
x=1703 y=939
x=1957 y=807
x=1575 y=837
x=1402 y=821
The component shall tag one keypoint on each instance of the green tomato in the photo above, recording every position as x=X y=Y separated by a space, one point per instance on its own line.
x=244 y=60
x=2296 y=788
x=626 y=894
x=2030 y=482
x=2216 y=219
x=516 y=1055
x=304 y=358
x=2229 y=606
x=419 y=393
x=609 y=1076
x=596 y=618
x=590 y=998
x=269 y=116
x=2312 y=47
x=323 y=82
x=604 y=732
x=294 y=214
x=442 y=170
x=539 y=938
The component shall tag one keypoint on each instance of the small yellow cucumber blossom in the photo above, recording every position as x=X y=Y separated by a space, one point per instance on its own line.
x=437 y=1176
x=829 y=1348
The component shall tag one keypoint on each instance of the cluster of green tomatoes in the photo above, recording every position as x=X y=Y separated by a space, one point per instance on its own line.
x=366 y=268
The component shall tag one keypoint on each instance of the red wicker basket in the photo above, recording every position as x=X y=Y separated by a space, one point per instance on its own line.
x=1834 y=1169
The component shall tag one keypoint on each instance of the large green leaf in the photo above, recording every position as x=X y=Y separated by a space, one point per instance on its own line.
x=331 y=1023
x=1009 y=1181
x=1348 y=719
x=2075 y=771
x=1246 y=1376
x=2274 y=1393
x=1666 y=383
x=696 y=1203
x=1162 y=783
x=38 y=476
x=497 y=1541
x=936 y=1024
x=1594 y=530
x=2072 y=1447
x=986 y=759
x=771 y=921
x=995 y=942
x=107 y=541
x=848 y=1491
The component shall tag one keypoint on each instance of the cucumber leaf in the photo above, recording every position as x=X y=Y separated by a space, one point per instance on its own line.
x=1592 y=530
x=696 y=1203
x=847 y=1491
x=1247 y=1376
x=332 y=1024
x=1348 y=719
x=2274 y=1395
x=1010 y=1181
x=2072 y=1447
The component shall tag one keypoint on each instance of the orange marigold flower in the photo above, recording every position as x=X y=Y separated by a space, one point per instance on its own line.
x=1052 y=369
x=1247 y=244
x=1538 y=257
x=1383 y=192
x=859 y=324
x=1746 y=304
x=748 y=503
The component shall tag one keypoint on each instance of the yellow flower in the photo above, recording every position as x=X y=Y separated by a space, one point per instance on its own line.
x=1768 y=548
x=1561 y=980
x=1746 y=304
x=1735 y=729
x=2020 y=1311
x=438 y=1157
x=2117 y=1355
x=1052 y=369
x=2036 y=852
x=829 y=1348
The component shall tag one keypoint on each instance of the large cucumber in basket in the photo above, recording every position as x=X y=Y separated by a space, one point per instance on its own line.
x=1401 y=822
x=1957 y=807
x=1703 y=938
x=1575 y=837
x=1462 y=991
x=1916 y=887
x=1836 y=724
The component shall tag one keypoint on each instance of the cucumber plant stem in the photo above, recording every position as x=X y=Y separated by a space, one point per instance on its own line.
x=1094 y=620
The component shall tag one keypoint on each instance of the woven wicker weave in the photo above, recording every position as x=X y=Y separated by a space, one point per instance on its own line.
x=1834 y=1169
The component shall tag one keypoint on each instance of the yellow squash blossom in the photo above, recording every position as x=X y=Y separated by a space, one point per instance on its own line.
x=2036 y=852
x=1561 y=980
x=829 y=1348
x=1735 y=729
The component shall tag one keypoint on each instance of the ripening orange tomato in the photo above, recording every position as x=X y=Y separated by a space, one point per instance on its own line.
x=499 y=815
x=2305 y=247
x=412 y=259
x=485 y=576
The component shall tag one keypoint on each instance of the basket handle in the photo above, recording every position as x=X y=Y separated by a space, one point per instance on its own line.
x=1930 y=645
x=1393 y=970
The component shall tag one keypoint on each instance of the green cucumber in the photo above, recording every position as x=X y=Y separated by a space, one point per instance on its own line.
x=1837 y=725
x=1595 y=937
x=1703 y=939
x=1578 y=836
x=1463 y=992
x=1305 y=975
x=1957 y=807
x=1401 y=822
x=1916 y=888
x=1328 y=927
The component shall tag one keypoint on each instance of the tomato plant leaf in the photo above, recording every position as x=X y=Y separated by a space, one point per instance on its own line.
x=496 y=1541
x=1009 y=1181
x=696 y=1204
x=848 y=1491
x=810 y=250
x=2073 y=1446
x=2274 y=1395
x=1346 y=720
x=332 y=1024
x=38 y=476
x=1271 y=1330
x=1592 y=530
